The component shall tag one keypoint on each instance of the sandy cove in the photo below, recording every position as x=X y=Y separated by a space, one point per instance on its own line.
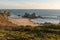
x=22 y=21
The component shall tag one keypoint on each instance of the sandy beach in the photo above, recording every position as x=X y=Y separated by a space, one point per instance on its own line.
x=22 y=21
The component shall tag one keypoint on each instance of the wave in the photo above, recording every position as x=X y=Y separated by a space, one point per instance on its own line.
x=50 y=16
x=54 y=21
x=14 y=16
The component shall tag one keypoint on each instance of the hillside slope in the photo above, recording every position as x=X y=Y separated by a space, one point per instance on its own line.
x=4 y=19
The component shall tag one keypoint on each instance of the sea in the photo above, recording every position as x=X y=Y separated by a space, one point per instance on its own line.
x=51 y=15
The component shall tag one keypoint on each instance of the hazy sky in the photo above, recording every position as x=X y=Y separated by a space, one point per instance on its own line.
x=29 y=4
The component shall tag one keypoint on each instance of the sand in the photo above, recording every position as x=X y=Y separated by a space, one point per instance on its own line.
x=22 y=21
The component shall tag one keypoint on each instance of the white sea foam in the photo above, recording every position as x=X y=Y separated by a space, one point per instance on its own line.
x=50 y=17
x=54 y=21
x=14 y=16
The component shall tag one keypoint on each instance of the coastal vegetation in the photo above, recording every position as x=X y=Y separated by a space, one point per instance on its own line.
x=4 y=19
x=10 y=31
x=46 y=32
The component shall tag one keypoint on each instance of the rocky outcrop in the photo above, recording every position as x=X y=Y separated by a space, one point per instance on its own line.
x=4 y=19
x=31 y=16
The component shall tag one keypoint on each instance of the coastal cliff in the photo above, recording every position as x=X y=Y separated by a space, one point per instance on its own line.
x=4 y=19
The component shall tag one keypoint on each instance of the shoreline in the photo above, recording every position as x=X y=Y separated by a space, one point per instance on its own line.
x=23 y=21
x=29 y=22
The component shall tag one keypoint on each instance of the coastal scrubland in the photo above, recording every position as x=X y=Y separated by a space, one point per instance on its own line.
x=4 y=19
x=50 y=32
x=11 y=31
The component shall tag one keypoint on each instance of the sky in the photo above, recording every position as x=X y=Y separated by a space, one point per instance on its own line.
x=29 y=4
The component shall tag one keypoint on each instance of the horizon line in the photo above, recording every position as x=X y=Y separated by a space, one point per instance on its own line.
x=33 y=9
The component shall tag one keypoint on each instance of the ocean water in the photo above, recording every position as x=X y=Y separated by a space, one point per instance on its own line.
x=52 y=16
x=41 y=12
x=53 y=21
